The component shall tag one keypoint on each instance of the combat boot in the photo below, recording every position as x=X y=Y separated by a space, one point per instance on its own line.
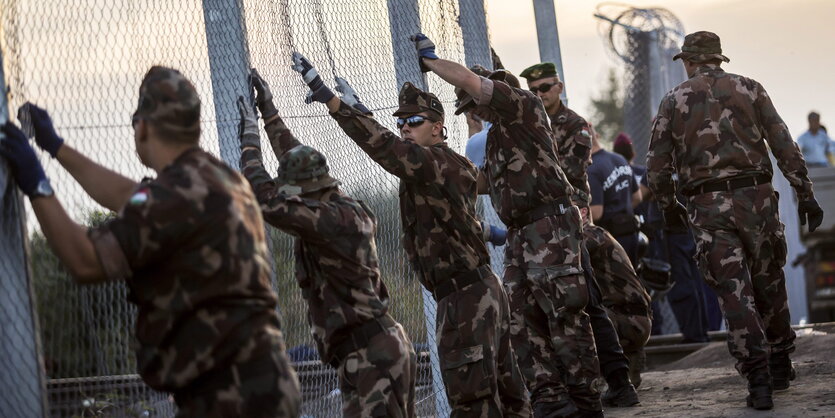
x=760 y=390
x=637 y=362
x=621 y=393
x=782 y=371
x=560 y=409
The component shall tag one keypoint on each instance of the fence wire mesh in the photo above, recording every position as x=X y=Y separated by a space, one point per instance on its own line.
x=83 y=61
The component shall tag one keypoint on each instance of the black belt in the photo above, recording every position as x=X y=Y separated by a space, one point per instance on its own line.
x=728 y=185
x=461 y=281
x=557 y=206
x=358 y=338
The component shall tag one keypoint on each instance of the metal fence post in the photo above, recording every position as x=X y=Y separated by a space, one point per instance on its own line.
x=545 y=14
x=404 y=20
x=229 y=65
x=22 y=380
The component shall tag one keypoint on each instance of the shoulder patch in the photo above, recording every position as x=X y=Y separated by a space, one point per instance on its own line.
x=140 y=197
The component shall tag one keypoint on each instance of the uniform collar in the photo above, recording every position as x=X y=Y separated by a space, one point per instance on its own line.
x=707 y=68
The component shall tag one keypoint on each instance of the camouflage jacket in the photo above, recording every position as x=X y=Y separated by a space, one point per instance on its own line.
x=336 y=254
x=522 y=167
x=191 y=247
x=442 y=235
x=619 y=284
x=712 y=127
x=572 y=136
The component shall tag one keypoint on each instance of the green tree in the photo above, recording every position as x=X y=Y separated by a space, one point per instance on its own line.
x=607 y=108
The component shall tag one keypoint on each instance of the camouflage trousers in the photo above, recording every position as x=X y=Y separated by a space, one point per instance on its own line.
x=741 y=251
x=259 y=382
x=379 y=380
x=479 y=370
x=550 y=330
x=633 y=334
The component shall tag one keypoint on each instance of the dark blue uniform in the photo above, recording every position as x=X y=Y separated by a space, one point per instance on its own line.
x=612 y=185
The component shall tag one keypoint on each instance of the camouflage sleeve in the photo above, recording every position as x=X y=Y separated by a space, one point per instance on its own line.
x=252 y=167
x=404 y=159
x=789 y=158
x=318 y=222
x=576 y=150
x=281 y=139
x=660 y=157
x=508 y=102
x=152 y=224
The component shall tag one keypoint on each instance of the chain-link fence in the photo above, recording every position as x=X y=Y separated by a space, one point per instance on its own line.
x=83 y=61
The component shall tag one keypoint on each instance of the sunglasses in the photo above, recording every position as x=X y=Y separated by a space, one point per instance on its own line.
x=412 y=121
x=543 y=88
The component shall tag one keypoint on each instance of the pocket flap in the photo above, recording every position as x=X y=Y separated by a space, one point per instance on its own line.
x=457 y=358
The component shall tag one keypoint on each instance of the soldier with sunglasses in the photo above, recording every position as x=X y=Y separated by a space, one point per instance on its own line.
x=444 y=242
x=552 y=335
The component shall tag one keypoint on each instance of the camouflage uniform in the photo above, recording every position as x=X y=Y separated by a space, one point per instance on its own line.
x=548 y=292
x=191 y=248
x=572 y=138
x=624 y=297
x=444 y=243
x=338 y=271
x=710 y=129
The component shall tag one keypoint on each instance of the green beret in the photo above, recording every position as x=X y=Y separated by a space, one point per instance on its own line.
x=539 y=71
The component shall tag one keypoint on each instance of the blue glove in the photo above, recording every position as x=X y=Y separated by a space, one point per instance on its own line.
x=22 y=159
x=45 y=135
x=319 y=92
x=494 y=234
x=350 y=96
x=425 y=49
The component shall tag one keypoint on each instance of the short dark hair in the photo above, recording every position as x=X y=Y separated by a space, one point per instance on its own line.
x=814 y=115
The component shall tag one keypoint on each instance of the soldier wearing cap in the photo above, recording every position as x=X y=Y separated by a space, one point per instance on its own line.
x=714 y=130
x=336 y=266
x=443 y=240
x=573 y=141
x=552 y=335
x=191 y=248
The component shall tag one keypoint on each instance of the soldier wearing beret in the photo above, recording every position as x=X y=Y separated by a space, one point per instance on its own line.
x=337 y=267
x=715 y=131
x=443 y=240
x=190 y=246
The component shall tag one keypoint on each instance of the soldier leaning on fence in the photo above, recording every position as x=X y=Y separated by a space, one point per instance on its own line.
x=573 y=145
x=548 y=292
x=444 y=243
x=710 y=131
x=190 y=245
x=336 y=266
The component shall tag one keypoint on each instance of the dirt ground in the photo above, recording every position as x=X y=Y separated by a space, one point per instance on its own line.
x=705 y=384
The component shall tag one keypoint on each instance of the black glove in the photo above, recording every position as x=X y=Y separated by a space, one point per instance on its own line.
x=248 y=129
x=675 y=219
x=263 y=95
x=318 y=90
x=811 y=209
x=24 y=163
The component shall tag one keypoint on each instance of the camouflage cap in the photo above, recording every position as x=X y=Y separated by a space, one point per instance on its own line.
x=414 y=100
x=539 y=71
x=303 y=169
x=700 y=47
x=505 y=77
x=170 y=101
x=480 y=70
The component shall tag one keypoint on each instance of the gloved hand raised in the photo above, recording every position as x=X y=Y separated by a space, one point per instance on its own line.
x=425 y=49
x=350 y=96
x=45 y=135
x=248 y=128
x=493 y=234
x=263 y=95
x=810 y=209
x=24 y=163
x=318 y=90
x=675 y=219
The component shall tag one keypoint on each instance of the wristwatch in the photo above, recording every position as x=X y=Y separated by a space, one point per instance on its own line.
x=44 y=189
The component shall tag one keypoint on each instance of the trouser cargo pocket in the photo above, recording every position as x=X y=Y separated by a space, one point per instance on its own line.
x=468 y=374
